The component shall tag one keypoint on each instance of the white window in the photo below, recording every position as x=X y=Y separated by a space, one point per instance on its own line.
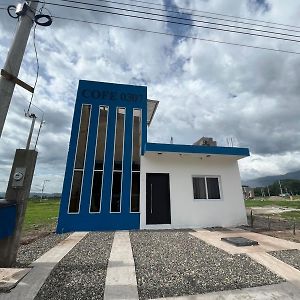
x=206 y=187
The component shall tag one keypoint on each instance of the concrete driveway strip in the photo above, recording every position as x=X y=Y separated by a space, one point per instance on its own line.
x=29 y=286
x=258 y=253
x=121 y=279
x=278 y=267
x=266 y=243
x=9 y=277
x=279 y=291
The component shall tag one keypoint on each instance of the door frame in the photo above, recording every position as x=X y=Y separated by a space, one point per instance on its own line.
x=169 y=190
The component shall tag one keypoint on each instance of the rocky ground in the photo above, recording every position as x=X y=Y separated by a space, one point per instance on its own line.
x=81 y=273
x=174 y=263
x=31 y=251
x=291 y=257
x=168 y=263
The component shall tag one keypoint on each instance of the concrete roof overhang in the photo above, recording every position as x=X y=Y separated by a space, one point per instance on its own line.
x=194 y=150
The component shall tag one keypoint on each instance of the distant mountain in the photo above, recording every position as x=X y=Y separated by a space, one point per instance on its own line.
x=268 y=180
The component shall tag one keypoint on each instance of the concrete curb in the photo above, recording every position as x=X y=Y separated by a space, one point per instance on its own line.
x=279 y=291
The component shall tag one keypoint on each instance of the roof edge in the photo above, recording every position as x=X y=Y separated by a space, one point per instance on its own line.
x=177 y=148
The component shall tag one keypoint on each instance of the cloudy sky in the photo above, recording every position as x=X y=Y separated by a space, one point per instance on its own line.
x=204 y=88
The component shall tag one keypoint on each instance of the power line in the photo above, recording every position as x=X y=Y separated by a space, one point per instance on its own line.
x=217 y=14
x=18 y=89
x=177 y=35
x=180 y=35
x=201 y=16
x=169 y=21
x=178 y=18
x=37 y=68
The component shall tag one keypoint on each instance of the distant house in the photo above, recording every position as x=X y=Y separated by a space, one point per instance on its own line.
x=248 y=192
x=115 y=179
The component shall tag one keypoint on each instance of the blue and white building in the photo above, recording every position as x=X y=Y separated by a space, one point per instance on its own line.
x=116 y=180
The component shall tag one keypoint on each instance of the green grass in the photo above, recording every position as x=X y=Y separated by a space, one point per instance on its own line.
x=41 y=214
x=261 y=203
x=291 y=215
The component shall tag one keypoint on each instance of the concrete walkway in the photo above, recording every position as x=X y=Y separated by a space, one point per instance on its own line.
x=120 y=279
x=257 y=253
x=278 y=267
x=29 y=286
x=266 y=243
x=9 y=277
x=282 y=291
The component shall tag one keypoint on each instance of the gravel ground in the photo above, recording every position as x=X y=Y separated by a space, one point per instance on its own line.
x=172 y=264
x=81 y=273
x=291 y=257
x=32 y=251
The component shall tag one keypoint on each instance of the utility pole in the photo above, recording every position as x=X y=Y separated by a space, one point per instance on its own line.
x=14 y=59
x=281 y=192
x=33 y=117
x=268 y=191
x=18 y=189
x=38 y=135
x=46 y=180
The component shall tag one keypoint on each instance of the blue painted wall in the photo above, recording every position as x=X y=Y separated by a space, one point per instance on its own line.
x=7 y=220
x=112 y=95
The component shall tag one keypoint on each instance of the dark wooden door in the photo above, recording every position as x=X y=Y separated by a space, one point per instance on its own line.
x=158 y=198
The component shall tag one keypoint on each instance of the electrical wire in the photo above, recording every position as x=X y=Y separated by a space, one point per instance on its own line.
x=37 y=68
x=216 y=14
x=176 y=35
x=178 y=12
x=213 y=13
x=20 y=91
x=36 y=56
x=172 y=22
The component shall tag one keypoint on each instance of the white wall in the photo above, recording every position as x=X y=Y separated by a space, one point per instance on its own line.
x=185 y=211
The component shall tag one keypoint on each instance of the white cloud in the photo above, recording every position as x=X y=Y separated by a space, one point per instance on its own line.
x=204 y=89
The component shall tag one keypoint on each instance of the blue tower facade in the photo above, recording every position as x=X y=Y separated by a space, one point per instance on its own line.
x=101 y=188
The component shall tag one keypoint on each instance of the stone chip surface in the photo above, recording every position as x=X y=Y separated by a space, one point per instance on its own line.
x=291 y=257
x=32 y=251
x=81 y=273
x=173 y=263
